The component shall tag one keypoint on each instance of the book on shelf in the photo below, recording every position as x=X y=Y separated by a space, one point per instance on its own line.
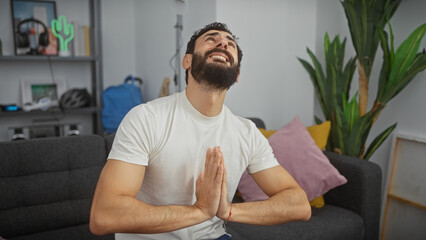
x=87 y=40
x=81 y=42
x=76 y=40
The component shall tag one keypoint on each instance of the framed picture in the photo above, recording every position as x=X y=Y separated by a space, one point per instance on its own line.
x=404 y=204
x=32 y=27
x=34 y=90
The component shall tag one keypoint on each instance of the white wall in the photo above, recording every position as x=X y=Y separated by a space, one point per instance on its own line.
x=118 y=40
x=156 y=39
x=273 y=33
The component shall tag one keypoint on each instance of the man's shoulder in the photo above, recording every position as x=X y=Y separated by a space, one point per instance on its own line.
x=167 y=100
x=241 y=122
x=158 y=104
x=152 y=111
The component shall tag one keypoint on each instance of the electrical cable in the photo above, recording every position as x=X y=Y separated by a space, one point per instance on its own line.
x=173 y=68
x=51 y=69
x=172 y=58
x=52 y=111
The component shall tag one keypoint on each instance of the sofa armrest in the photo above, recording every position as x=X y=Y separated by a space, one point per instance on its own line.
x=361 y=193
x=109 y=139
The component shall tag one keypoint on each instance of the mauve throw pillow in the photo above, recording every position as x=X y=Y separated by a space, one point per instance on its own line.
x=297 y=152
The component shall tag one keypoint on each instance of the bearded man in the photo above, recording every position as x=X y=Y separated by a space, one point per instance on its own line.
x=175 y=162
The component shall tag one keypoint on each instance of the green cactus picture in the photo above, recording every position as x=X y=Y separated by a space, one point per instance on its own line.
x=63 y=31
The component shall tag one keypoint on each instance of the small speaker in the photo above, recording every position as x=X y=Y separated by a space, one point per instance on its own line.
x=73 y=129
x=19 y=133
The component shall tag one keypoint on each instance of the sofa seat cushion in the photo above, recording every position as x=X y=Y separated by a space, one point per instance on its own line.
x=69 y=233
x=48 y=183
x=329 y=222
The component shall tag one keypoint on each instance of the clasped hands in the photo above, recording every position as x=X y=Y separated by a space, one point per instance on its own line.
x=212 y=187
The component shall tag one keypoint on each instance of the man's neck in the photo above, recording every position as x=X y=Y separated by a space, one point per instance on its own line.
x=207 y=101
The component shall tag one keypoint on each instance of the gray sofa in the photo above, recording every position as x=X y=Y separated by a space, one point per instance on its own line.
x=47 y=185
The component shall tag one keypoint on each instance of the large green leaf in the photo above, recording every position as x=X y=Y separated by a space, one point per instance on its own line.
x=386 y=65
x=365 y=17
x=378 y=141
x=358 y=135
x=405 y=54
x=318 y=84
x=318 y=120
x=347 y=76
x=354 y=23
x=418 y=65
x=355 y=129
x=326 y=43
x=329 y=86
x=399 y=68
x=339 y=138
x=317 y=65
x=321 y=80
x=350 y=112
x=339 y=76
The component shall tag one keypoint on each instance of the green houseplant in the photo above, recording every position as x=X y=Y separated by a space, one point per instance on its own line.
x=351 y=122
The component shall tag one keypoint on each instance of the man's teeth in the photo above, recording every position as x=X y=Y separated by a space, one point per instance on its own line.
x=219 y=57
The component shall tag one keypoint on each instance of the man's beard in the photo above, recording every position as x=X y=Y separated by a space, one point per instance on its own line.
x=214 y=75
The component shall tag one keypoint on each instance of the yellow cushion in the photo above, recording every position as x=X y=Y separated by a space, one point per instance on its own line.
x=317 y=202
x=267 y=133
x=320 y=134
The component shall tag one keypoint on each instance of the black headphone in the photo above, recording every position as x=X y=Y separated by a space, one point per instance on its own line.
x=75 y=98
x=22 y=39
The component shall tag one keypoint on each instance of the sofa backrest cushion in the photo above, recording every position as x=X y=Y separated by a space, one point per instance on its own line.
x=48 y=183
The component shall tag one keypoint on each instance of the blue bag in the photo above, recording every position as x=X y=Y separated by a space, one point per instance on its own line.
x=117 y=102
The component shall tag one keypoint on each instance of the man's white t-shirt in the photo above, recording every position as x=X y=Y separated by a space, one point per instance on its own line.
x=171 y=138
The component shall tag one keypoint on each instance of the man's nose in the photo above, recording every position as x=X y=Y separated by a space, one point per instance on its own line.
x=222 y=43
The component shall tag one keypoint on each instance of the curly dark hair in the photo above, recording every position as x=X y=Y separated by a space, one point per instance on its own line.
x=212 y=26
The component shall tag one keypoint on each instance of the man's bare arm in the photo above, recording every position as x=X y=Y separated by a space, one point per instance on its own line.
x=288 y=202
x=116 y=209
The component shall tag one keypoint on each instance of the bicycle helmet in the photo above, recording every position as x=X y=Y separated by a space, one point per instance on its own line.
x=75 y=98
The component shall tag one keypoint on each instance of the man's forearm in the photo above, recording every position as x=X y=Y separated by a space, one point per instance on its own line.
x=116 y=210
x=288 y=205
x=129 y=215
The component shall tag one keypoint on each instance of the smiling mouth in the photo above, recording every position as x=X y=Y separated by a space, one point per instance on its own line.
x=220 y=55
x=219 y=58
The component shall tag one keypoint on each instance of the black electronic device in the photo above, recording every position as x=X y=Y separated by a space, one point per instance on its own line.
x=9 y=107
x=19 y=133
x=22 y=39
x=72 y=129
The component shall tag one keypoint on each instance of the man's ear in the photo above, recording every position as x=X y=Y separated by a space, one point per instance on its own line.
x=186 y=61
x=238 y=77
